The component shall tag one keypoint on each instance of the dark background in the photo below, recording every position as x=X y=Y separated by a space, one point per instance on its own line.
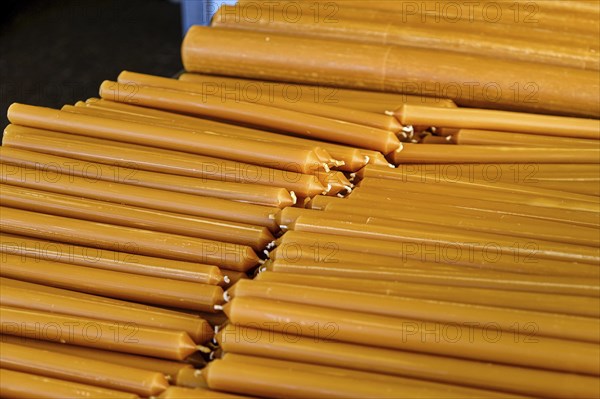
x=55 y=52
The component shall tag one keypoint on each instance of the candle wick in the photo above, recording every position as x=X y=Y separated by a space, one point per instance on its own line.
x=367 y=159
x=226 y=296
x=203 y=349
x=218 y=307
x=226 y=279
x=327 y=189
x=348 y=189
x=294 y=198
x=326 y=167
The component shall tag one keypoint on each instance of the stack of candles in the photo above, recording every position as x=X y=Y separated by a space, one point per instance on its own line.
x=283 y=232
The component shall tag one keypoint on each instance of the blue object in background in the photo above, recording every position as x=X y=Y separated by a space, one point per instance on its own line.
x=199 y=12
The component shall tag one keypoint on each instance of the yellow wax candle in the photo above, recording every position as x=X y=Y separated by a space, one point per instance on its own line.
x=95 y=333
x=133 y=287
x=518 y=380
x=108 y=236
x=81 y=370
x=26 y=295
x=23 y=385
x=551 y=303
x=407 y=334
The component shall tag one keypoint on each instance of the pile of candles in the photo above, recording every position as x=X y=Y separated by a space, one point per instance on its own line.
x=284 y=232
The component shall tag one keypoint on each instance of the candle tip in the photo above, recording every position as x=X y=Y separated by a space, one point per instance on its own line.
x=203 y=349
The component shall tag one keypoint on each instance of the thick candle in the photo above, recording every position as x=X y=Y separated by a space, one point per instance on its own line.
x=111 y=260
x=346 y=98
x=466 y=118
x=518 y=380
x=442 y=275
x=141 y=340
x=167 y=367
x=544 y=210
x=274 y=381
x=156 y=159
x=551 y=303
x=217 y=208
x=40 y=297
x=23 y=385
x=407 y=334
x=557 y=326
x=203 y=143
x=82 y=370
x=490 y=137
x=273 y=18
x=250 y=193
x=134 y=287
x=314 y=107
x=441 y=153
x=146 y=242
x=391 y=68
x=350 y=156
x=428 y=388
x=124 y=215
x=466 y=219
x=478 y=242
x=299 y=123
